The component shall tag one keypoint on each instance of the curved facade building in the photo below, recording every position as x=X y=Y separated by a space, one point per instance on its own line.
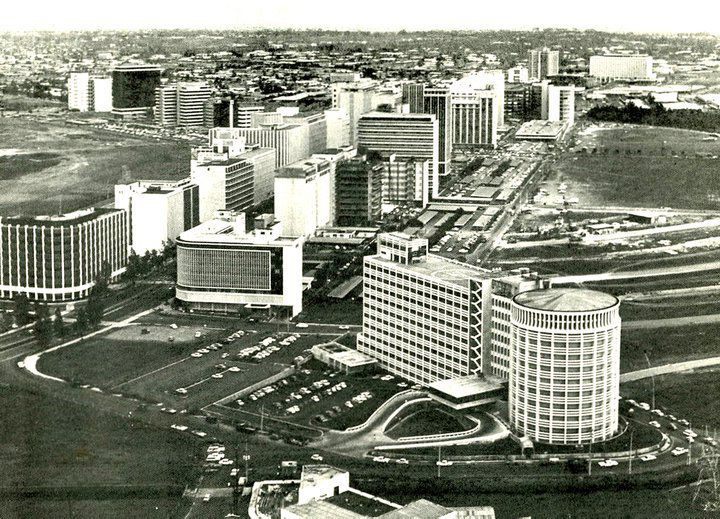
x=58 y=258
x=565 y=365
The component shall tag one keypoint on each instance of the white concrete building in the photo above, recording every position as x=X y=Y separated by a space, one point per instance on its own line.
x=181 y=104
x=58 y=258
x=100 y=94
x=303 y=196
x=157 y=211
x=355 y=99
x=407 y=136
x=478 y=107
x=543 y=63
x=223 y=268
x=290 y=141
x=78 y=91
x=629 y=67
x=338 y=128
x=561 y=104
x=224 y=184
x=565 y=365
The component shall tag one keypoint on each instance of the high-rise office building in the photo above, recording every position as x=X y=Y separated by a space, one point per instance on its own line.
x=543 y=63
x=518 y=102
x=316 y=127
x=303 y=196
x=422 y=314
x=224 y=184
x=133 y=89
x=406 y=180
x=334 y=156
x=628 y=67
x=561 y=104
x=356 y=99
x=338 y=128
x=88 y=93
x=157 y=211
x=58 y=258
x=474 y=118
x=100 y=95
x=181 y=104
x=565 y=365
x=407 y=136
x=223 y=268
x=358 y=192
x=78 y=91
x=420 y=98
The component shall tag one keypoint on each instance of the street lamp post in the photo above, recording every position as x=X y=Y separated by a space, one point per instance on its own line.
x=652 y=378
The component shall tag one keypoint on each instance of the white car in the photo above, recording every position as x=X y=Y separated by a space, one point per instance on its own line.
x=225 y=461
x=690 y=433
x=234 y=369
x=344 y=327
x=179 y=427
x=217 y=375
x=181 y=391
x=302 y=325
x=196 y=355
x=316 y=457
x=608 y=463
x=648 y=457
x=679 y=451
x=381 y=459
x=402 y=461
x=443 y=463
x=655 y=424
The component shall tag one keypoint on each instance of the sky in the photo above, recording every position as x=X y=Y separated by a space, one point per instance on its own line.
x=378 y=15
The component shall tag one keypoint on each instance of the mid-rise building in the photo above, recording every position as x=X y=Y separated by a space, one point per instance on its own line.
x=358 y=192
x=543 y=63
x=303 y=196
x=157 y=211
x=181 y=104
x=133 y=89
x=518 y=102
x=413 y=95
x=316 y=127
x=59 y=258
x=565 y=365
x=334 y=156
x=407 y=136
x=223 y=268
x=628 y=67
x=290 y=141
x=475 y=122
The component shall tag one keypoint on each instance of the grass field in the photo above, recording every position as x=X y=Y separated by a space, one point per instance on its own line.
x=667 y=345
x=44 y=443
x=332 y=312
x=46 y=166
x=433 y=420
x=653 y=178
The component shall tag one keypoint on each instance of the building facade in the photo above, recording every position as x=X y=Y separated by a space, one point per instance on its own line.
x=561 y=104
x=181 y=104
x=543 y=63
x=303 y=196
x=224 y=184
x=58 y=258
x=355 y=99
x=407 y=136
x=290 y=141
x=565 y=365
x=223 y=268
x=628 y=67
x=133 y=89
x=358 y=192
x=157 y=211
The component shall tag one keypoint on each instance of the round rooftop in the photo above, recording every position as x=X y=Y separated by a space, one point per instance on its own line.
x=566 y=300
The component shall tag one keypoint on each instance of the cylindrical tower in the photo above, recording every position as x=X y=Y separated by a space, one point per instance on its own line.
x=565 y=365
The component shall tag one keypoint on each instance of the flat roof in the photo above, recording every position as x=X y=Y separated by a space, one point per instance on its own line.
x=444 y=269
x=324 y=509
x=566 y=300
x=462 y=387
x=541 y=129
x=345 y=287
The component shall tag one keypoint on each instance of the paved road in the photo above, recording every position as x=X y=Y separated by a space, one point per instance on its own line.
x=666 y=369
x=629 y=274
x=675 y=321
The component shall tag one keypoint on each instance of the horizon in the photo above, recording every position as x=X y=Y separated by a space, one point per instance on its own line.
x=615 y=16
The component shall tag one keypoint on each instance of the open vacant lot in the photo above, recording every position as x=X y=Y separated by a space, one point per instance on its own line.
x=643 y=167
x=48 y=166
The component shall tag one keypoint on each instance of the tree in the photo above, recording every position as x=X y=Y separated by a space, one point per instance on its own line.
x=95 y=307
x=81 y=321
x=22 y=309
x=58 y=324
x=43 y=327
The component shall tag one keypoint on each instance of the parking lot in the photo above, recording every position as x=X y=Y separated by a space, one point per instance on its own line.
x=318 y=396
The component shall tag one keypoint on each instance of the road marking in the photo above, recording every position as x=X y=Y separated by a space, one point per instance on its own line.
x=151 y=372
